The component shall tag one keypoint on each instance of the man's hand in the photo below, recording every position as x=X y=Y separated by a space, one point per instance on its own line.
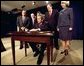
x=26 y=29
x=23 y=28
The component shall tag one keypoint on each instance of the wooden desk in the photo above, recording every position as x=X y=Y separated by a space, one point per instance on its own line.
x=38 y=37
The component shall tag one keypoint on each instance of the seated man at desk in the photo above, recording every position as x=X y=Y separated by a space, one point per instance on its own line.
x=40 y=25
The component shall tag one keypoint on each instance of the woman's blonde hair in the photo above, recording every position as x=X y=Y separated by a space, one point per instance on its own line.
x=66 y=2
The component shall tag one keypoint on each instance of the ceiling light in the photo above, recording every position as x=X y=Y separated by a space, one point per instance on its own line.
x=47 y=2
x=33 y=2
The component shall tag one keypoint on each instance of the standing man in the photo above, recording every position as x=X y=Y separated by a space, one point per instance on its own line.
x=52 y=18
x=33 y=19
x=23 y=23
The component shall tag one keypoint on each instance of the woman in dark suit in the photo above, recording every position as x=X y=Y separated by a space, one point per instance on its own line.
x=65 y=25
x=40 y=25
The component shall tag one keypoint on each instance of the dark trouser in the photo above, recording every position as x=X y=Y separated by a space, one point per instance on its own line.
x=56 y=40
x=42 y=48
x=34 y=48
x=21 y=44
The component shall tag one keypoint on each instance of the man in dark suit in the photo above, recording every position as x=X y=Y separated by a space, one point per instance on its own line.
x=52 y=18
x=23 y=23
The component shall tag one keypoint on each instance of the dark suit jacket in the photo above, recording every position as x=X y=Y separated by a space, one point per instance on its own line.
x=27 y=23
x=32 y=25
x=52 y=20
x=66 y=17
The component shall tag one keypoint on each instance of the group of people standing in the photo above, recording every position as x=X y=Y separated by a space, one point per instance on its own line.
x=59 y=22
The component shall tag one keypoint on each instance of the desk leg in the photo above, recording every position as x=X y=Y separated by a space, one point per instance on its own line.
x=13 y=50
x=51 y=53
x=48 y=54
x=25 y=49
